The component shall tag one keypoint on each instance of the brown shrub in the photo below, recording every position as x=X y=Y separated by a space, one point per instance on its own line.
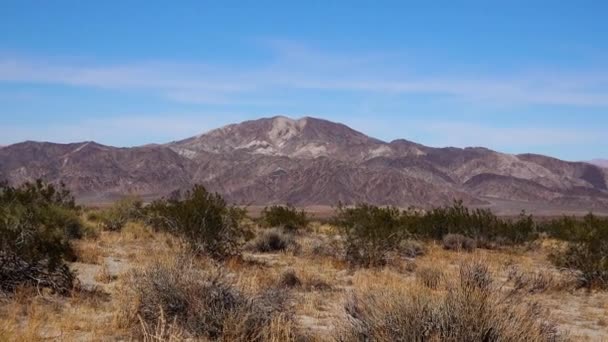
x=197 y=304
x=273 y=240
x=289 y=279
x=411 y=248
x=457 y=242
x=532 y=282
x=429 y=277
x=471 y=309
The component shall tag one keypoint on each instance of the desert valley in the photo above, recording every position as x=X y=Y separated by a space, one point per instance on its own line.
x=303 y=171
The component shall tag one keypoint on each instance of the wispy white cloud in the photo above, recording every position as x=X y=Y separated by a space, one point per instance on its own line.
x=295 y=66
x=125 y=130
x=441 y=133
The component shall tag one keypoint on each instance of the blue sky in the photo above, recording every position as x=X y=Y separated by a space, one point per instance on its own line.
x=515 y=76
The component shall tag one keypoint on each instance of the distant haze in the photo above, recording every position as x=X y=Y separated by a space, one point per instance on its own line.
x=600 y=162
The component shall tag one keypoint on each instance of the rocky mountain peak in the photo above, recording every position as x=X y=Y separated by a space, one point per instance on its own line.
x=306 y=138
x=311 y=161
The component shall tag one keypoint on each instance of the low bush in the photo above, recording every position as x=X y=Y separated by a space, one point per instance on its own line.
x=371 y=233
x=37 y=221
x=127 y=209
x=285 y=217
x=586 y=250
x=532 y=282
x=457 y=242
x=289 y=279
x=411 y=248
x=203 y=219
x=273 y=241
x=479 y=224
x=201 y=305
x=471 y=309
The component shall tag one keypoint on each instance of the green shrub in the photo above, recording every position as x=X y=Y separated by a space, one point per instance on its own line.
x=124 y=210
x=203 y=219
x=371 y=233
x=285 y=217
x=586 y=250
x=37 y=221
x=480 y=224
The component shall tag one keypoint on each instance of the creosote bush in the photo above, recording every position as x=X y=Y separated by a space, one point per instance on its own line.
x=371 y=233
x=37 y=221
x=201 y=304
x=203 y=219
x=127 y=209
x=286 y=217
x=471 y=309
x=586 y=249
x=482 y=225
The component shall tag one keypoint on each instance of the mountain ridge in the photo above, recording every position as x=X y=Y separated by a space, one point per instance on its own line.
x=600 y=162
x=309 y=161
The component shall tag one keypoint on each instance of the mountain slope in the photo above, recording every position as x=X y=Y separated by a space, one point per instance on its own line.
x=600 y=162
x=309 y=161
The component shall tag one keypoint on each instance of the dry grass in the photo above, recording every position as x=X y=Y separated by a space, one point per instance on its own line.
x=88 y=252
x=471 y=308
x=316 y=283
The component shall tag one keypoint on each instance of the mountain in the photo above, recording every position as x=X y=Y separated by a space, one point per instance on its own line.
x=311 y=161
x=600 y=162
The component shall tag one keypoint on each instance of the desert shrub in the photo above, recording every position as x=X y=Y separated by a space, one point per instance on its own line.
x=273 y=241
x=37 y=221
x=127 y=209
x=201 y=305
x=479 y=224
x=532 y=282
x=16 y=272
x=471 y=309
x=429 y=276
x=289 y=279
x=458 y=242
x=370 y=233
x=285 y=217
x=411 y=248
x=203 y=219
x=586 y=250
x=93 y=215
x=332 y=247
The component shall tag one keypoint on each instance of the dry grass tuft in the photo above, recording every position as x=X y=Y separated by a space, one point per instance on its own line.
x=458 y=242
x=200 y=304
x=274 y=240
x=104 y=275
x=471 y=309
x=89 y=252
x=429 y=276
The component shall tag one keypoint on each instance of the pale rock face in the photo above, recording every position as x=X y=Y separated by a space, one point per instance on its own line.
x=284 y=129
x=312 y=150
x=380 y=152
